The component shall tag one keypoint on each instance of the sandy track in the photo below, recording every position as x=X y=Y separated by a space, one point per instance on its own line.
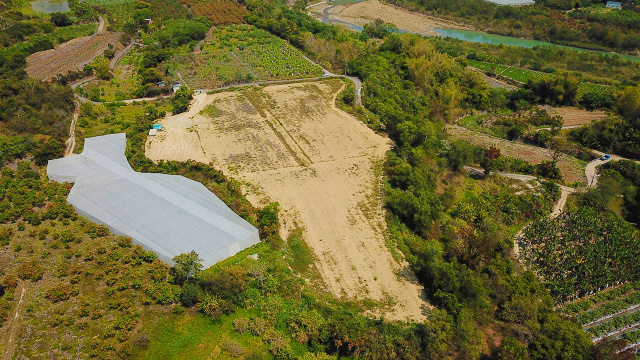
x=367 y=11
x=292 y=145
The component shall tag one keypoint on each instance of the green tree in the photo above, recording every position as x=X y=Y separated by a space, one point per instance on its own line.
x=60 y=19
x=187 y=265
x=189 y=294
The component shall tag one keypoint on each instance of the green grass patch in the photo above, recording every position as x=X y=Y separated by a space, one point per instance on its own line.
x=301 y=253
x=196 y=336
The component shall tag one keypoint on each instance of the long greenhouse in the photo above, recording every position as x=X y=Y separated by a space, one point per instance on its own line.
x=166 y=214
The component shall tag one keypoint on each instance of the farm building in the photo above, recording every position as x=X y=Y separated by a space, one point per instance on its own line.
x=614 y=4
x=167 y=214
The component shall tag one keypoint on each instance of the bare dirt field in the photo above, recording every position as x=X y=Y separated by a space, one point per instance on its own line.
x=72 y=55
x=367 y=11
x=572 y=170
x=572 y=116
x=289 y=143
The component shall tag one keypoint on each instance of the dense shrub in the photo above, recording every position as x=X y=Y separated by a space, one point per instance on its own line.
x=164 y=293
x=189 y=294
x=61 y=292
x=31 y=270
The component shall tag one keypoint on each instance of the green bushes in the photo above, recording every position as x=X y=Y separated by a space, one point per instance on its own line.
x=31 y=270
x=164 y=293
x=189 y=294
x=61 y=292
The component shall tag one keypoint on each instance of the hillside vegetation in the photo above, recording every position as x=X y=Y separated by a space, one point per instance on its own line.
x=88 y=293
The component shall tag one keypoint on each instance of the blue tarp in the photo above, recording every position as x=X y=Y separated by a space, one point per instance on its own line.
x=157 y=126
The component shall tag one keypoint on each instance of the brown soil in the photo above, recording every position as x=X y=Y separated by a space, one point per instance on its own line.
x=367 y=11
x=570 y=167
x=289 y=143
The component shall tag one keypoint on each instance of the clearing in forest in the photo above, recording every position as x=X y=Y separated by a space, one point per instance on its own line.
x=571 y=168
x=289 y=143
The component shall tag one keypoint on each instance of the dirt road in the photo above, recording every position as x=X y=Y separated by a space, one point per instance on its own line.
x=291 y=144
x=71 y=141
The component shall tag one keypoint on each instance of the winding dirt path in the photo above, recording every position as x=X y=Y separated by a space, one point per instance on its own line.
x=71 y=141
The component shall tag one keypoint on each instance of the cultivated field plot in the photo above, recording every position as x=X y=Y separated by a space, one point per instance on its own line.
x=524 y=75
x=242 y=54
x=289 y=143
x=572 y=116
x=571 y=168
x=72 y=55
x=219 y=11
x=608 y=314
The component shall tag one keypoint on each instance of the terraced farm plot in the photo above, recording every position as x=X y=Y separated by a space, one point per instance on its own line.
x=611 y=313
x=242 y=54
x=289 y=143
x=524 y=75
x=72 y=55
x=581 y=252
x=219 y=11
x=587 y=87
x=109 y=2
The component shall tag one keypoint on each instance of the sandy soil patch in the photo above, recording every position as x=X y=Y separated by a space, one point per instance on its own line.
x=571 y=168
x=367 y=11
x=290 y=144
x=572 y=116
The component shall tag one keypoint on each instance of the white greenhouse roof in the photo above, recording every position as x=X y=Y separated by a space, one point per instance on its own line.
x=167 y=214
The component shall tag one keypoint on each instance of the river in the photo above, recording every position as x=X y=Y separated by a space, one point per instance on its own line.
x=475 y=36
x=50 y=6
x=481 y=37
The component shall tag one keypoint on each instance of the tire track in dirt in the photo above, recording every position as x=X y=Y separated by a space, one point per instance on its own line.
x=13 y=328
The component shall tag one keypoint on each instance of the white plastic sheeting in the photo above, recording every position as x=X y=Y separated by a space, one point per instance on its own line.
x=167 y=214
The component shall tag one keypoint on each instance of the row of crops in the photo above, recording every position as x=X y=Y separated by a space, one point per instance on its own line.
x=524 y=75
x=241 y=54
x=109 y=2
x=582 y=252
x=219 y=11
x=613 y=313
